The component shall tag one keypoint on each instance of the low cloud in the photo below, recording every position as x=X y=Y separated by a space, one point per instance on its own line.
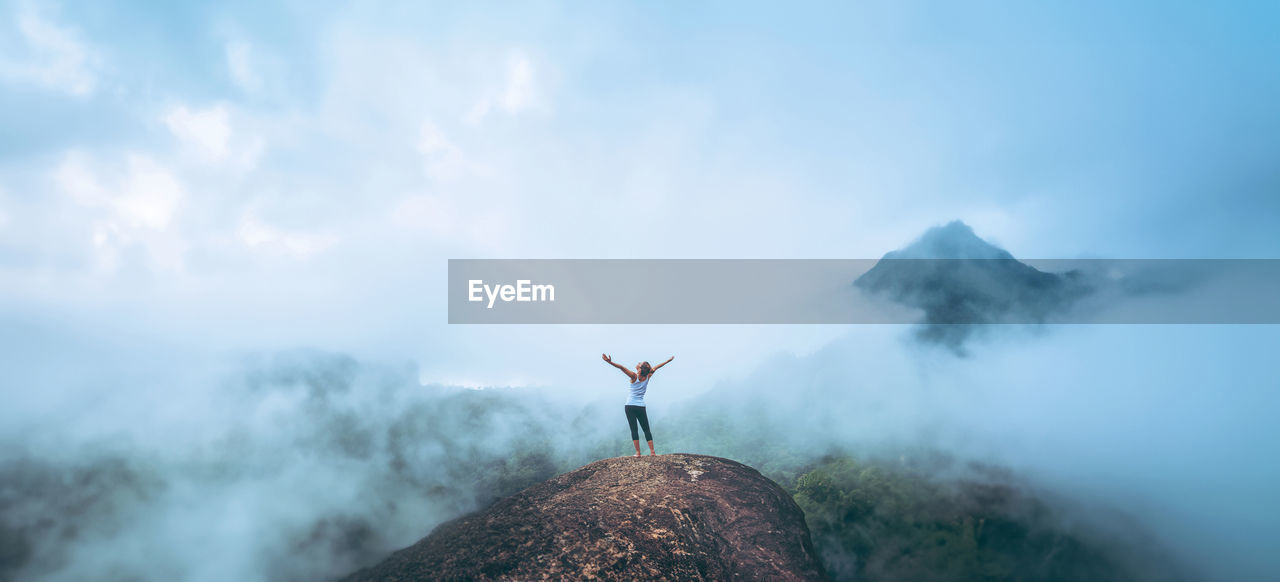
x=300 y=466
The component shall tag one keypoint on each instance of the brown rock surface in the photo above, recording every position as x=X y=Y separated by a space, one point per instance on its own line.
x=670 y=517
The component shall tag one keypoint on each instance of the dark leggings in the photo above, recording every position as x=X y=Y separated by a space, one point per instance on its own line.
x=635 y=413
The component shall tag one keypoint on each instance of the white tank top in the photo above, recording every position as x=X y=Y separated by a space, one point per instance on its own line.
x=637 y=392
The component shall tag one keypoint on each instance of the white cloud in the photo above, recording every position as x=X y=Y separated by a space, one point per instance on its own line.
x=441 y=159
x=137 y=208
x=455 y=219
x=56 y=58
x=209 y=134
x=436 y=214
x=150 y=196
x=240 y=65
x=518 y=95
x=256 y=234
x=208 y=131
x=76 y=179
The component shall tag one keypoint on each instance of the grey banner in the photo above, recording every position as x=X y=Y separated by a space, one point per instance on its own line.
x=847 y=291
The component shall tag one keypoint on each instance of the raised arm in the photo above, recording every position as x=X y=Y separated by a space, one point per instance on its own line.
x=655 y=368
x=624 y=369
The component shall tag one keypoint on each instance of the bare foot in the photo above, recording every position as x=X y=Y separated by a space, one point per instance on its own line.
x=637 y=454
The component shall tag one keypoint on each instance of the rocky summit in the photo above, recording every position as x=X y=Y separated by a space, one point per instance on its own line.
x=669 y=517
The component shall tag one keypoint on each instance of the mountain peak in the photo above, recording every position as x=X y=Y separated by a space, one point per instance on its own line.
x=953 y=240
x=958 y=279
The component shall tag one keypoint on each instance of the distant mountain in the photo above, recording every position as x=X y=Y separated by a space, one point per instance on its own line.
x=960 y=280
x=669 y=517
x=954 y=240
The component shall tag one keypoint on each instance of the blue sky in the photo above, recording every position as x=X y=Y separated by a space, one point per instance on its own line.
x=305 y=171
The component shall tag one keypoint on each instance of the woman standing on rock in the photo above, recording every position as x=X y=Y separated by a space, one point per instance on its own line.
x=635 y=402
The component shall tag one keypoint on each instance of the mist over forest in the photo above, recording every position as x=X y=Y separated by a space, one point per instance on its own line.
x=307 y=464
